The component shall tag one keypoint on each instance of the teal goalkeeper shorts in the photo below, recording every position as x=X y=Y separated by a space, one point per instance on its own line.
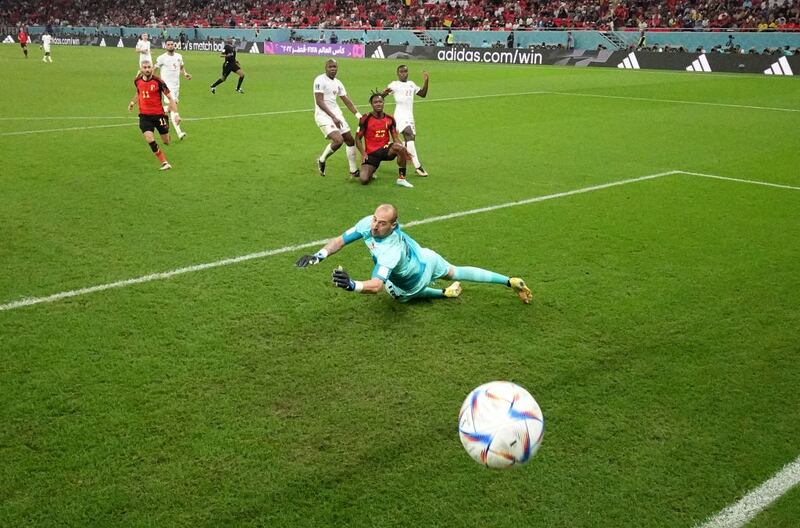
x=436 y=267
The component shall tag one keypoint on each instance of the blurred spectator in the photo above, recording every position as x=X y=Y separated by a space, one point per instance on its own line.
x=501 y=15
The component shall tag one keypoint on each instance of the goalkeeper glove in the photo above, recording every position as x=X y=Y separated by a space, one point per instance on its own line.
x=342 y=279
x=311 y=260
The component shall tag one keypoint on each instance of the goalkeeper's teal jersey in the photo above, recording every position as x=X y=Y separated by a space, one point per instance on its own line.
x=398 y=257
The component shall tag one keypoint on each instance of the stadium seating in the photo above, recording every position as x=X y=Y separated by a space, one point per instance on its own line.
x=756 y=15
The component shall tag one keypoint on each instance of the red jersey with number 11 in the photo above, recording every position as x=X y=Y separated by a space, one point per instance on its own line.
x=149 y=92
x=376 y=131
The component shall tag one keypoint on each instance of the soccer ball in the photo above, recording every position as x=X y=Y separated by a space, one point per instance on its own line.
x=500 y=425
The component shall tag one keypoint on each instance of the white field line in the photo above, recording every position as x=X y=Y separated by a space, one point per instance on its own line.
x=61 y=118
x=677 y=101
x=752 y=182
x=443 y=99
x=254 y=114
x=30 y=301
x=746 y=508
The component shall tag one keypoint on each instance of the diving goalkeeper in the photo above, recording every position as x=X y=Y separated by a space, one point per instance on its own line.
x=402 y=266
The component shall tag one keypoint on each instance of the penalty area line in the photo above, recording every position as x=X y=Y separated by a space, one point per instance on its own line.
x=745 y=509
x=30 y=301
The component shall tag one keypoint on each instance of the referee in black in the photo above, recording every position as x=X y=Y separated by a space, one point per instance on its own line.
x=230 y=65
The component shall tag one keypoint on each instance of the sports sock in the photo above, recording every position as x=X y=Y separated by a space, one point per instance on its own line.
x=402 y=171
x=412 y=149
x=176 y=125
x=217 y=83
x=469 y=273
x=326 y=153
x=239 y=84
x=26 y=53
x=157 y=151
x=351 y=157
x=430 y=293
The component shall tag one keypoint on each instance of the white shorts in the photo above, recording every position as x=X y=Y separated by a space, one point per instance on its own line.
x=325 y=123
x=404 y=122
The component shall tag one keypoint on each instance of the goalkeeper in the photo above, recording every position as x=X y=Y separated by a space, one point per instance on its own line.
x=402 y=266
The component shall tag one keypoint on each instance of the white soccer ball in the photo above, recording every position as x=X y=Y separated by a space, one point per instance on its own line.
x=500 y=425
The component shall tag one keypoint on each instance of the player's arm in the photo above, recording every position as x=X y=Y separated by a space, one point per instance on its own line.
x=319 y=98
x=349 y=104
x=331 y=246
x=185 y=73
x=342 y=279
x=393 y=133
x=362 y=129
x=424 y=91
x=134 y=100
x=386 y=91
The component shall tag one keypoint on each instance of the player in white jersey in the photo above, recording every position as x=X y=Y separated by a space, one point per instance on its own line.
x=404 y=91
x=403 y=267
x=46 y=41
x=329 y=116
x=171 y=68
x=143 y=49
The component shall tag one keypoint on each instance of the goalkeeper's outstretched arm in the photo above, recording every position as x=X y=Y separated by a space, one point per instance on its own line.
x=333 y=245
x=342 y=279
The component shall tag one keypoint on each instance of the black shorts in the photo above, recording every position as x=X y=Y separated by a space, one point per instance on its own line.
x=375 y=157
x=230 y=67
x=148 y=123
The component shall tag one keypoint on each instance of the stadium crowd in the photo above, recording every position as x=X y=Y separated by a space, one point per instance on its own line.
x=757 y=15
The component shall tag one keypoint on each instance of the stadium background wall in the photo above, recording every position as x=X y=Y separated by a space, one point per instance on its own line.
x=584 y=39
x=775 y=64
x=769 y=64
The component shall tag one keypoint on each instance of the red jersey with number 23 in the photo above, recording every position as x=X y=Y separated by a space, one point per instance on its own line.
x=376 y=131
x=149 y=92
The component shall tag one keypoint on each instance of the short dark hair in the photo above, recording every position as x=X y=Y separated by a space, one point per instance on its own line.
x=401 y=67
x=373 y=96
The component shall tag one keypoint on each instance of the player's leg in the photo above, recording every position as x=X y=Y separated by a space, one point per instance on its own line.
x=368 y=168
x=396 y=150
x=222 y=79
x=175 y=91
x=473 y=274
x=25 y=50
x=350 y=149
x=240 y=73
x=336 y=141
x=147 y=127
x=410 y=135
x=436 y=267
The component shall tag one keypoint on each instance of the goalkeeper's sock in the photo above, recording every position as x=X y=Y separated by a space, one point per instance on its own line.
x=430 y=293
x=469 y=273
x=351 y=158
x=326 y=153
x=239 y=84
x=217 y=83
x=412 y=149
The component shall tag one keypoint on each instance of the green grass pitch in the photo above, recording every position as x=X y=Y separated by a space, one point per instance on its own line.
x=662 y=343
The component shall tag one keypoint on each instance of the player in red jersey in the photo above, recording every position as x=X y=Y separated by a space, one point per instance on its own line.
x=23 y=41
x=149 y=89
x=379 y=132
